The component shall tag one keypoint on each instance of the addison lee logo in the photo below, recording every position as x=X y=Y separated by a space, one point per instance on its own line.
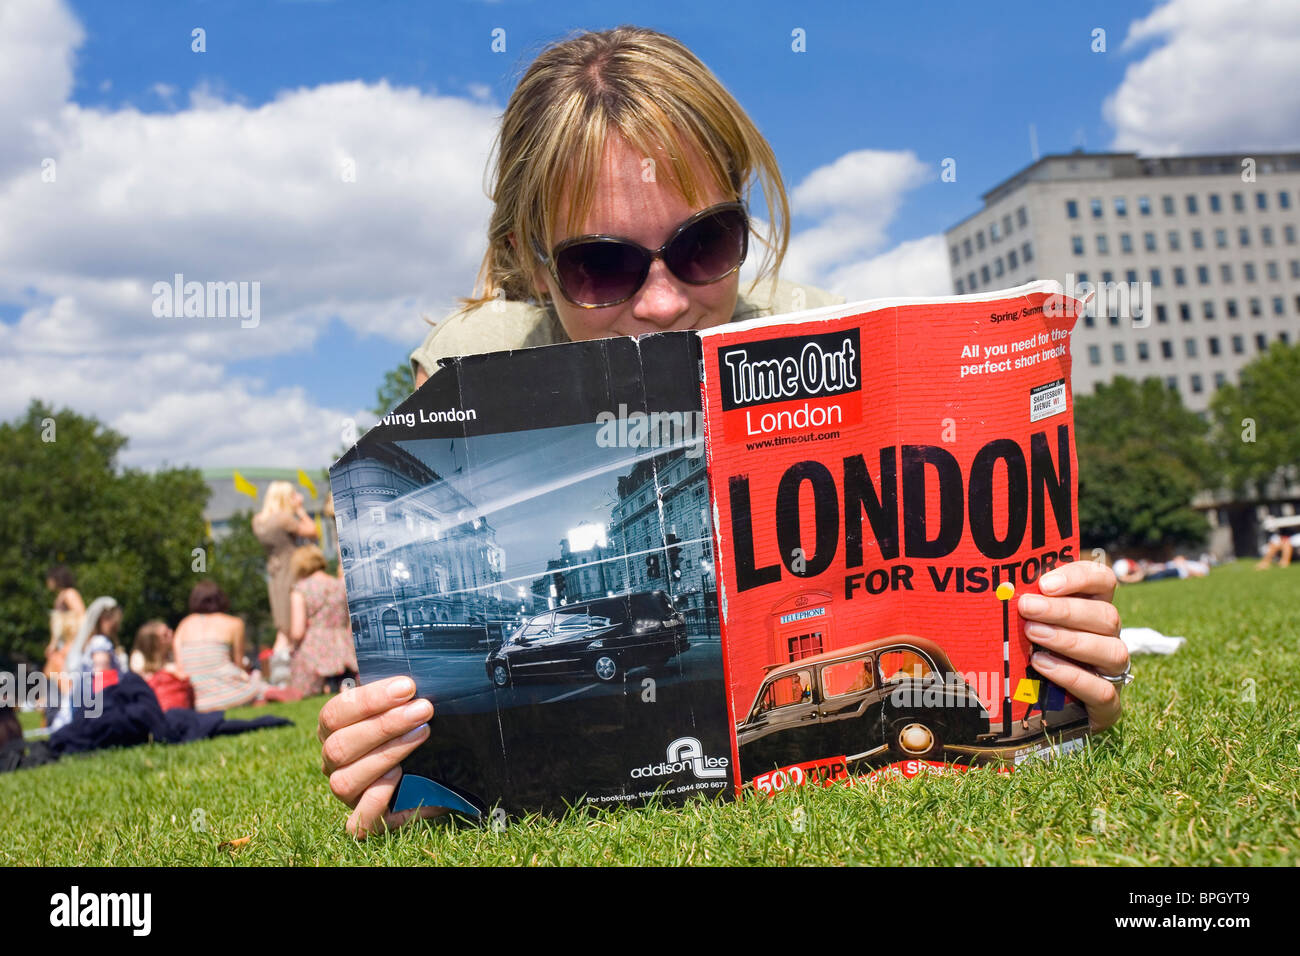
x=685 y=753
x=793 y=384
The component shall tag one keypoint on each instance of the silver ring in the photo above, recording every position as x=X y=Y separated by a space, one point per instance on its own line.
x=1120 y=680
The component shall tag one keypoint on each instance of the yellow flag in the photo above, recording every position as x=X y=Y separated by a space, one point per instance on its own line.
x=1027 y=691
x=245 y=487
x=306 y=482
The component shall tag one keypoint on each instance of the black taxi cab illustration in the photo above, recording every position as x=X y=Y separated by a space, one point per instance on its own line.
x=896 y=698
x=601 y=638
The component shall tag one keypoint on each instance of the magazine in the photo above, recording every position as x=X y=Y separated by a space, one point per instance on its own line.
x=772 y=553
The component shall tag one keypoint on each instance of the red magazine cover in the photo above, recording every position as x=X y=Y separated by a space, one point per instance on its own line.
x=887 y=479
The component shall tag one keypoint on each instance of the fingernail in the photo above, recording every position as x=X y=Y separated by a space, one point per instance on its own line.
x=402 y=688
x=1043 y=661
x=415 y=734
x=418 y=710
x=1039 y=632
x=1052 y=581
x=1032 y=604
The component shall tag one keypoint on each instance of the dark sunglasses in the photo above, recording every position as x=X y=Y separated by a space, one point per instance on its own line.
x=597 y=271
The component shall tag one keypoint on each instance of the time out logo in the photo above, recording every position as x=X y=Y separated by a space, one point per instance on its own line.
x=785 y=386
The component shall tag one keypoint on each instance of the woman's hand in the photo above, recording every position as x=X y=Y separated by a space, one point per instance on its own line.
x=365 y=733
x=1076 y=629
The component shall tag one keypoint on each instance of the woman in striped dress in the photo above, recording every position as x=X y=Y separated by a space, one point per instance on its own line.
x=208 y=643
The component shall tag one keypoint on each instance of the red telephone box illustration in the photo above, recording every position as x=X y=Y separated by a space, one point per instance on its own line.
x=801 y=625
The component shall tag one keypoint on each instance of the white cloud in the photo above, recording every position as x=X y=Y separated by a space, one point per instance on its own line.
x=853 y=202
x=350 y=200
x=1222 y=76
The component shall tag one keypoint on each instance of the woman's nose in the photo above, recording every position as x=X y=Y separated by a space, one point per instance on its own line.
x=663 y=299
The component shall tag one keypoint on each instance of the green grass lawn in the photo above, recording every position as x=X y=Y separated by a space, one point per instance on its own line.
x=1196 y=773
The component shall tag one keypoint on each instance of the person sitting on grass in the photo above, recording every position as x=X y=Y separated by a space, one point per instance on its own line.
x=208 y=643
x=1280 y=548
x=591 y=117
x=323 y=652
x=171 y=685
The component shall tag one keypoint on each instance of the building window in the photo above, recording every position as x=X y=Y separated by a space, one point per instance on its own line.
x=1094 y=355
x=1096 y=208
x=1006 y=224
x=1131 y=276
x=1022 y=217
x=1125 y=242
x=997 y=266
x=979 y=239
x=1196 y=383
x=1238 y=202
x=1203 y=275
x=1278 y=308
x=1162 y=314
x=1121 y=206
x=1243 y=237
x=970 y=282
x=1288 y=235
x=1171 y=383
x=955 y=254
x=1155 y=278
x=984 y=275
x=1103 y=245
x=1238 y=345
x=1283 y=200
x=995 y=234
x=1174 y=243
x=1220 y=379
x=1088 y=320
x=1271 y=270
x=1248 y=271
x=1180 y=276
x=1261 y=201
x=1144 y=352
x=1144 y=205
x=1185 y=311
x=1071 y=209
x=1261 y=342
x=1284 y=338
x=1012 y=260
x=1295 y=268
x=1266 y=235
x=1027 y=252
x=1225 y=272
x=1230 y=306
x=1221 y=238
x=1198 y=241
x=1149 y=241
x=1076 y=245
x=1081 y=276
x=1167 y=204
x=1256 y=309
x=959 y=285
x=1215 y=205
x=965 y=247
x=1167 y=348
x=1191 y=205
x=1213 y=342
x=1207 y=308
x=1114 y=314
x=1107 y=275
x=1117 y=350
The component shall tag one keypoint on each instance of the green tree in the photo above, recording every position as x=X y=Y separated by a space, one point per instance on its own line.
x=123 y=532
x=1257 y=422
x=397 y=386
x=1143 y=456
x=238 y=564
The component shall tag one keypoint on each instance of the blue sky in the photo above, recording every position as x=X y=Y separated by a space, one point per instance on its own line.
x=897 y=88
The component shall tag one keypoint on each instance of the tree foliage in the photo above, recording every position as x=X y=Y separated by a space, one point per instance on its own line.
x=122 y=531
x=1143 y=456
x=397 y=386
x=1257 y=422
x=238 y=564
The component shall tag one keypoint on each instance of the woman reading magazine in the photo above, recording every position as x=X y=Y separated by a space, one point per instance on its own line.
x=622 y=171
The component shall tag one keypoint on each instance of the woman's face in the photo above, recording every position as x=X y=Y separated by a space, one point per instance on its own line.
x=626 y=205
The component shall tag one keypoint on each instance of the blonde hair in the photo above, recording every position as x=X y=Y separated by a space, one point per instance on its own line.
x=648 y=88
x=279 y=497
x=148 y=641
x=306 y=560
